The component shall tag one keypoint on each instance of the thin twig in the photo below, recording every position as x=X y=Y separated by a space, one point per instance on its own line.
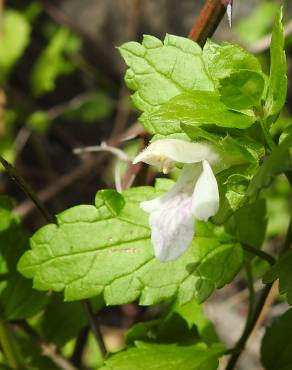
x=103 y=147
x=13 y=173
x=94 y=325
x=238 y=349
x=208 y=20
x=82 y=170
x=48 y=349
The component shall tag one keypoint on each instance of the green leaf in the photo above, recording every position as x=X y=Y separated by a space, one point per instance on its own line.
x=232 y=184
x=145 y=356
x=242 y=89
x=277 y=162
x=14 y=39
x=6 y=216
x=158 y=70
x=17 y=298
x=59 y=322
x=236 y=149
x=39 y=121
x=54 y=61
x=282 y=271
x=279 y=207
x=194 y=109
x=193 y=314
x=276 y=350
x=106 y=249
x=225 y=59
x=182 y=325
x=277 y=89
x=251 y=223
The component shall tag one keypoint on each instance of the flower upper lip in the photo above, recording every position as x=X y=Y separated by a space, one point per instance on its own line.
x=165 y=153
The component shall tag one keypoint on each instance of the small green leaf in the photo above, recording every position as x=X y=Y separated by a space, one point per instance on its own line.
x=277 y=162
x=276 y=350
x=282 y=271
x=277 y=89
x=106 y=249
x=225 y=59
x=54 y=61
x=242 y=89
x=39 y=121
x=158 y=70
x=146 y=356
x=233 y=184
x=13 y=41
x=194 y=109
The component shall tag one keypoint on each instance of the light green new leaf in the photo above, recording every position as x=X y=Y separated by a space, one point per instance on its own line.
x=232 y=184
x=282 y=271
x=106 y=249
x=277 y=162
x=242 y=89
x=276 y=350
x=158 y=70
x=14 y=39
x=277 y=89
x=145 y=356
x=225 y=59
x=236 y=149
x=197 y=108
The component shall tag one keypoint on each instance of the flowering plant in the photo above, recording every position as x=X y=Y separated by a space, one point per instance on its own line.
x=191 y=212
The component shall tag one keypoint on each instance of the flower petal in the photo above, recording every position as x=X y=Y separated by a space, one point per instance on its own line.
x=165 y=152
x=206 y=194
x=171 y=216
x=172 y=228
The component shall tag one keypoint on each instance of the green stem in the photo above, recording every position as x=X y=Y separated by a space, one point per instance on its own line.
x=250 y=324
x=253 y=318
x=260 y=253
x=249 y=277
x=26 y=188
x=267 y=135
x=7 y=347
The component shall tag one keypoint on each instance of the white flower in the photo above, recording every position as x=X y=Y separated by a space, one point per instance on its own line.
x=194 y=196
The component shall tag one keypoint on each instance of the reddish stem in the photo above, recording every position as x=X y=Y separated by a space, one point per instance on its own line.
x=208 y=20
